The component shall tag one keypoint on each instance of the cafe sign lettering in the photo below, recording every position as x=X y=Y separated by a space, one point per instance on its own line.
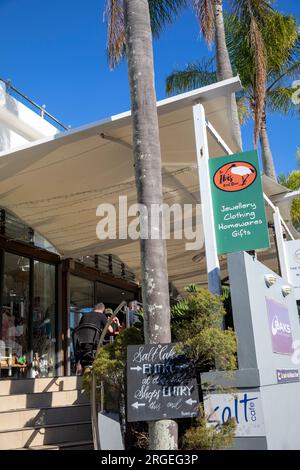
x=161 y=383
x=238 y=203
x=245 y=408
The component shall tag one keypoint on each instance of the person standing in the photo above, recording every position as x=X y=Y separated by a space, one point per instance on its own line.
x=88 y=338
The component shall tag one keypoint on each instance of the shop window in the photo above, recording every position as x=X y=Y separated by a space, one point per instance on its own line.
x=112 y=296
x=43 y=321
x=14 y=321
x=81 y=301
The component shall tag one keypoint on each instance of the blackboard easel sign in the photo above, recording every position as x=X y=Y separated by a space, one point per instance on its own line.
x=161 y=384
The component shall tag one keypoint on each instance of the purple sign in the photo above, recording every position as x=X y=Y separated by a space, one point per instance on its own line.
x=287 y=375
x=280 y=327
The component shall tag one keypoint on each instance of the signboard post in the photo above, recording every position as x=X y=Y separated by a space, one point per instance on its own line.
x=161 y=384
x=238 y=203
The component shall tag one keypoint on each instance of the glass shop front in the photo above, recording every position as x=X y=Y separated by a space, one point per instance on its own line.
x=43 y=297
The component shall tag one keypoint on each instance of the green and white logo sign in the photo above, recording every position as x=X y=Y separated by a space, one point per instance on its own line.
x=238 y=203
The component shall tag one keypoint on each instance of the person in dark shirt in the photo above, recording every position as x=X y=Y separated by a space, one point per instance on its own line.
x=89 y=337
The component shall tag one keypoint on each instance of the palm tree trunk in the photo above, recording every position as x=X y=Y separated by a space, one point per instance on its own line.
x=267 y=158
x=147 y=159
x=224 y=69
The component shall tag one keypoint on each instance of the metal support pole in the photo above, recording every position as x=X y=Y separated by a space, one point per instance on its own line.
x=283 y=260
x=212 y=261
x=59 y=321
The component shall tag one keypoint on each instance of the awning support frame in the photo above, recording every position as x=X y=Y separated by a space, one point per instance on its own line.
x=212 y=260
x=201 y=126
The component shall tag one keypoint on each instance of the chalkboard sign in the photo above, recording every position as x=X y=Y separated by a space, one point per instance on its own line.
x=161 y=384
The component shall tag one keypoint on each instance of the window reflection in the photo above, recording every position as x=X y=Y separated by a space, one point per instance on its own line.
x=44 y=309
x=81 y=301
x=14 y=317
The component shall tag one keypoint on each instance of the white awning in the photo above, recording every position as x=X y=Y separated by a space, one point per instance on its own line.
x=55 y=185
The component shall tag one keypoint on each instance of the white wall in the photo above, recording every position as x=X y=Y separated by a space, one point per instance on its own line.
x=280 y=401
x=20 y=125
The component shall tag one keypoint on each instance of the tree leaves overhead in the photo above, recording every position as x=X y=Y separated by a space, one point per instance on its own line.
x=246 y=9
x=287 y=72
x=204 y=13
x=195 y=75
x=281 y=44
x=243 y=108
x=279 y=99
x=114 y=15
x=264 y=47
x=280 y=36
x=162 y=13
x=292 y=181
x=253 y=14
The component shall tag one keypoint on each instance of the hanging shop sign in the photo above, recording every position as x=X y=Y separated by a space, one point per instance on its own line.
x=161 y=384
x=238 y=203
x=245 y=408
x=293 y=256
x=280 y=327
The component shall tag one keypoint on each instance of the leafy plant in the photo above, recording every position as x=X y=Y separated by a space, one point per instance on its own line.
x=200 y=436
x=196 y=325
x=292 y=181
x=110 y=364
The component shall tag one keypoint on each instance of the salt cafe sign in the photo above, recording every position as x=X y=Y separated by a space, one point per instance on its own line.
x=245 y=408
x=238 y=203
x=161 y=383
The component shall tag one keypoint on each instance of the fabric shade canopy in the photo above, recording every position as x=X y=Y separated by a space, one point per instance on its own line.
x=55 y=185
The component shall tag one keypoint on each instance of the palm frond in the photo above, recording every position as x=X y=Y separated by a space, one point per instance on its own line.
x=241 y=56
x=195 y=75
x=163 y=12
x=245 y=9
x=204 y=13
x=243 y=108
x=290 y=73
x=114 y=15
x=280 y=33
x=279 y=99
x=252 y=14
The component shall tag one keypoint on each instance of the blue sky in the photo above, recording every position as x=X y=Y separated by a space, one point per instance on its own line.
x=54 y=51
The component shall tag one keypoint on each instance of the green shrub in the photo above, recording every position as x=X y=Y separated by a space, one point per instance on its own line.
x=197 y=325
x=200 y=436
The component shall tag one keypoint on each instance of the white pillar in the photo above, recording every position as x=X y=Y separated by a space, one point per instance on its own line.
x=212 y=261
x=283 y=260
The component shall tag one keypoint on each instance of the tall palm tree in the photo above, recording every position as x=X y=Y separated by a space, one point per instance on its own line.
x=211 y=21
x=131 y=19
x=253 y=14
x=162 y=13
x=282 y=49
x=211 y=18
x=280 y=34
